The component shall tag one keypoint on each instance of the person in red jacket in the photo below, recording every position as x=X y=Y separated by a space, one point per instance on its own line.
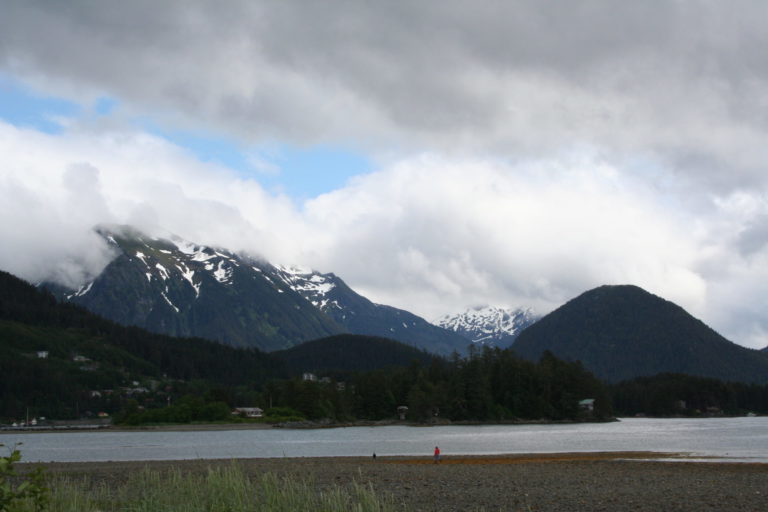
x=437 y=454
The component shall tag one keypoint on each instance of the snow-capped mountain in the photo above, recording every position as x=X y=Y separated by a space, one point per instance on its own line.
x=489 y=325
x=172 y=286
x=175 y=287
x=358 y=315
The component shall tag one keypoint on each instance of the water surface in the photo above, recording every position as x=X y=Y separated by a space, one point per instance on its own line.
x=738 y=439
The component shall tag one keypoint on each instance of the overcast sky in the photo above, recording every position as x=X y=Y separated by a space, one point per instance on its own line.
x=435 y=155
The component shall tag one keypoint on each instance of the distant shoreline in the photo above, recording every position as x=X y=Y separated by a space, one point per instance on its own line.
x=295 y=425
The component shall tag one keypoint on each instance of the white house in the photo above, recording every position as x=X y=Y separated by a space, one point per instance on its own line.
x=248 y=412
x=588 y=404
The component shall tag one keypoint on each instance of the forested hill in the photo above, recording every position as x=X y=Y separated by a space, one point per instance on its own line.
x=350 y=352
x=86 y=352
x=621 y=332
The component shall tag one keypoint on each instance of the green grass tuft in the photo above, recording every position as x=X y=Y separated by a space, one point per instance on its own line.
x=226 y=489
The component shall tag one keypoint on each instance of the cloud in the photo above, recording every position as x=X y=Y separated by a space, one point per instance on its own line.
x=55 y=189
x=46 y=237
x=431 y=234
x=682 y=81
x=474 y=231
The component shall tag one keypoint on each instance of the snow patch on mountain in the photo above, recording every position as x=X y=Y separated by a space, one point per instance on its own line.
x=81 y=291
x=163 y=271
x=306 y=281
x=223 y=274
x=189 y=275
x=142 y=257
x=169 y=302
x=184 y=246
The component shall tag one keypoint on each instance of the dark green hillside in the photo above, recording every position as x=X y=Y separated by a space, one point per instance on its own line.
x=87 y=353
x=350 y=352
x=621 y=332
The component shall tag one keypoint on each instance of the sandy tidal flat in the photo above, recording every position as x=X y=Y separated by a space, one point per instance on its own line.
x=550 y=482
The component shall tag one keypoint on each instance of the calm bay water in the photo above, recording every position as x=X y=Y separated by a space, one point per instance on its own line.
x=740 y=439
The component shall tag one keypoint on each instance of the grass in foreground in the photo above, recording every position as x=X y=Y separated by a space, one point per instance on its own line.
x=223 y=489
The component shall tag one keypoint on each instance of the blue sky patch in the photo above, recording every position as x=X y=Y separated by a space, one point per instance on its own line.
x=23 y=107
x=105 y=105
x=309 y=172
x=299 y=172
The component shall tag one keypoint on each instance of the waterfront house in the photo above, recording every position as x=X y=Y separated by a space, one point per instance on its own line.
x=248 y=412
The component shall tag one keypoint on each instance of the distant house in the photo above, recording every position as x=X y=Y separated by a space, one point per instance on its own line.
x=80 y=359
x=588 y=404
x=42 y=354
x=309 y=376
x=248 y=412
x=402 y=411
x=135 y=391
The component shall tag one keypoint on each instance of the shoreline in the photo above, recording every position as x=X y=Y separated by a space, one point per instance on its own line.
x=304 y=425
x=297 y=425
x=613 y=481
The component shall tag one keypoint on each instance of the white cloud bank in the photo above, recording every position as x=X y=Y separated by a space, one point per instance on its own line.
x=429 y=234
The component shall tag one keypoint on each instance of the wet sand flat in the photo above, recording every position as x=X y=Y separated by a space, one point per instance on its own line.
x=541 y=482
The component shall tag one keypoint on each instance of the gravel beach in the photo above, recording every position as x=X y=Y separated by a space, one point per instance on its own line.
x=549 y=482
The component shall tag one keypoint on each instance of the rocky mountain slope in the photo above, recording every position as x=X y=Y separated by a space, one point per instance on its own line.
x=489 y=325
x=172 y=286
x=621 y=332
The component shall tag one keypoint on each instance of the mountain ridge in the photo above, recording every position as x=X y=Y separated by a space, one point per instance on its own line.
x=173 y=286
x=359 y=315
x=622 y=331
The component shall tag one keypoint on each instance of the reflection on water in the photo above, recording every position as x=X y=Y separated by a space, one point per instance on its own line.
x=740 y=439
